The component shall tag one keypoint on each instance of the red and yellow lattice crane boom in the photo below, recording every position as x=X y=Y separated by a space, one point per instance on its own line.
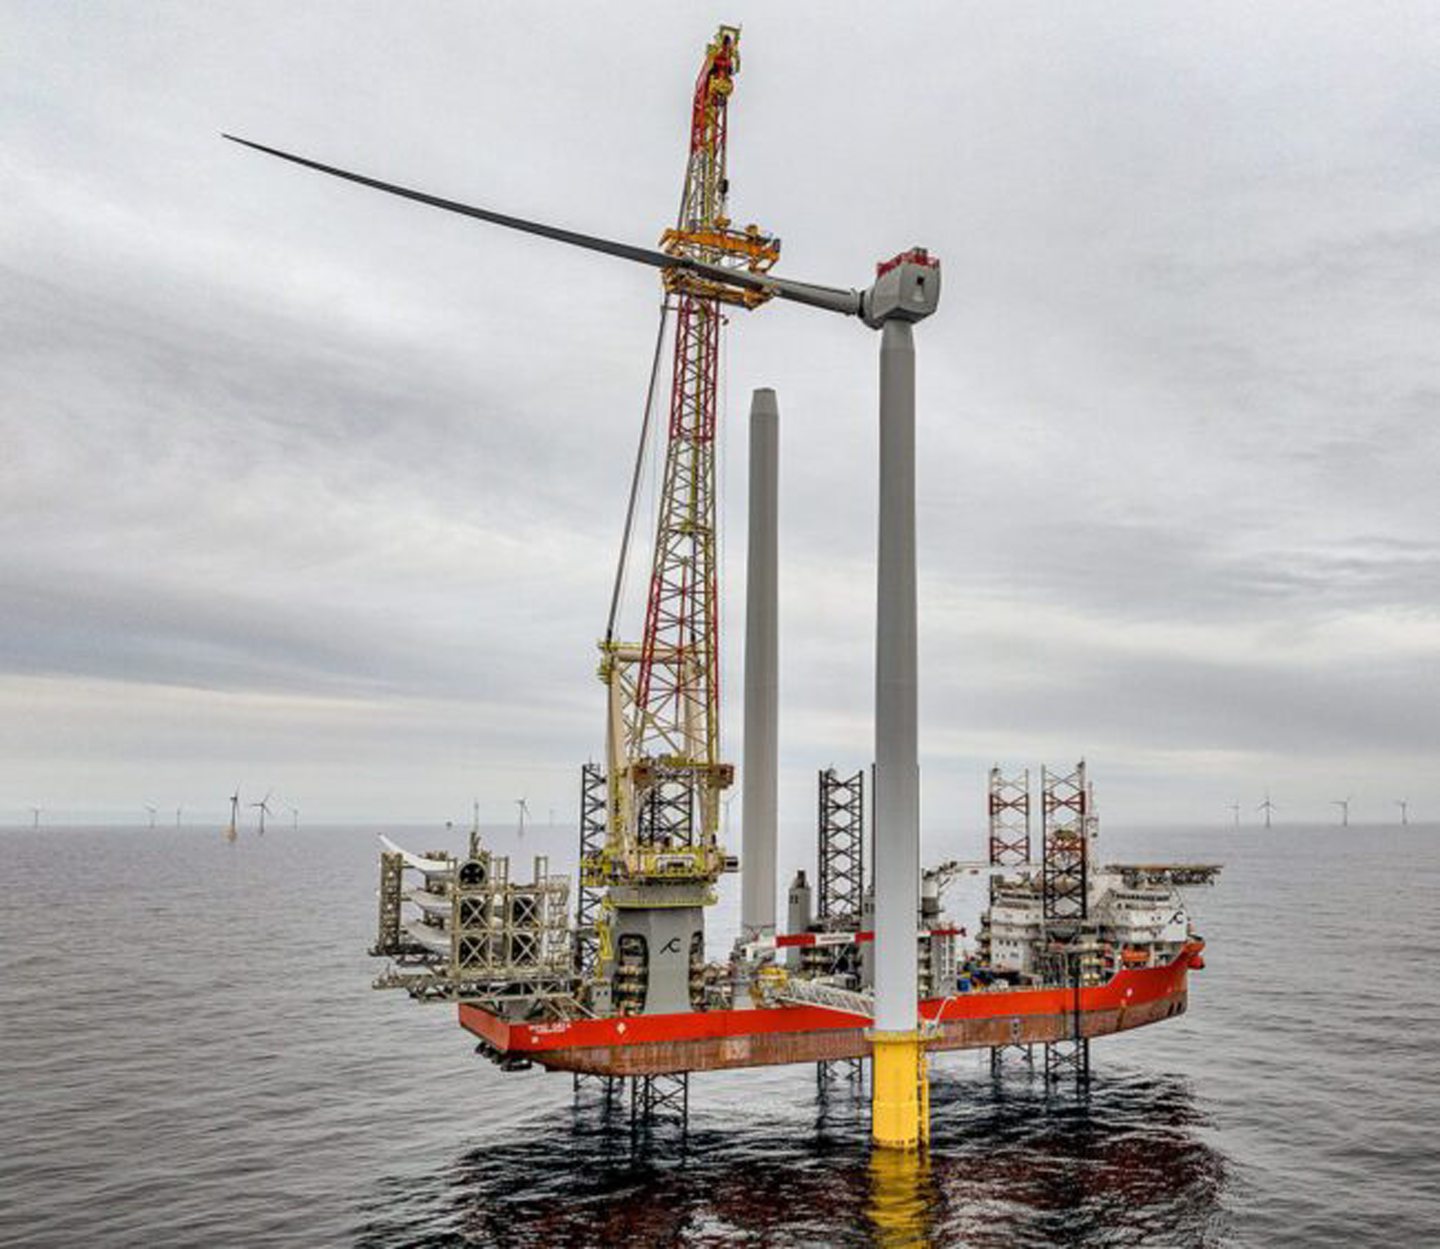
x=665 y=768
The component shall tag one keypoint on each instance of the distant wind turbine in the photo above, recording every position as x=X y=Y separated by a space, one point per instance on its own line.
x=177 y=816
x=1234 y=809
x=153 y=811
x=1344 y=805
x=475 y=817
x=1404 y=810
x=35 y=817
x=294 y=817
x=232 y=832
x=1267 y=806
x=263 y=806
x=524 y=811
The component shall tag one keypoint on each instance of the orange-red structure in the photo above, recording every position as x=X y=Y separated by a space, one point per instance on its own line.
x=712 y=1040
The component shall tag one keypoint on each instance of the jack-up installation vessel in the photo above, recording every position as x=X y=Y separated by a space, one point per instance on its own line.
x=1068 y=948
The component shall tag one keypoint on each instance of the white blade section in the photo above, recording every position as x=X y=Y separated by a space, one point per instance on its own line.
x=414 y=860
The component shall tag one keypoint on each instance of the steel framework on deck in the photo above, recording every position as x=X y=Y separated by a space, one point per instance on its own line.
x=1068 y=824
x=589 y=897
x=842 y=849
x=1009 y=812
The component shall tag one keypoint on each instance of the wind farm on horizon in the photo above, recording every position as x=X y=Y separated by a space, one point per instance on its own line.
x=1347 y=812
x=1267 y=809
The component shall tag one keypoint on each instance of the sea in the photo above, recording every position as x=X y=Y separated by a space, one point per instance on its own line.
x=191 y=1054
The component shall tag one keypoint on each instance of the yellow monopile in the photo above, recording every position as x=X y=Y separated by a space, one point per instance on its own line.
x=900 y=1097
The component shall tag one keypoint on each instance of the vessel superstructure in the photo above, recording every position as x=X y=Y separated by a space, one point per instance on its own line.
x=461 y=930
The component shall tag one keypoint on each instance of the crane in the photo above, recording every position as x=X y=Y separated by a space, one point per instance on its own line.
x=665 y=775
x=664 y=768
x=665 y=772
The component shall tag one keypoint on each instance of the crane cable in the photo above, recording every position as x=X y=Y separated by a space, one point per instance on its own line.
x=635 y=476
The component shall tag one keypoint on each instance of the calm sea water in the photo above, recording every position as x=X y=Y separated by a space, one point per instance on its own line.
x=191 y=1055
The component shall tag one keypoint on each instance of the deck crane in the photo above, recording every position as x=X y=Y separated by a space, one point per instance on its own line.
x=665 y=774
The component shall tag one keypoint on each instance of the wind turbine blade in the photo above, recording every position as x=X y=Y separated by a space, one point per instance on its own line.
x=830 y=298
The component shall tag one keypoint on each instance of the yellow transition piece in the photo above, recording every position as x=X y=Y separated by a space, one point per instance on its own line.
x=900 y=1091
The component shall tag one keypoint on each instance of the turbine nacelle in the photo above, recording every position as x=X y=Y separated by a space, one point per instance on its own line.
x=906 y=288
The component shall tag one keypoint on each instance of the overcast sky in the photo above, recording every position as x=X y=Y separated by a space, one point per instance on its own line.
x=313 y=489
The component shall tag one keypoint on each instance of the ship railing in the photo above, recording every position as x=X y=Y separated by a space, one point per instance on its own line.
x=833 y=997
x=1165 y=873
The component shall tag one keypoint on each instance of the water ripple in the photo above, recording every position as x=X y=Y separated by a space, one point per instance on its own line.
x=192 y=1055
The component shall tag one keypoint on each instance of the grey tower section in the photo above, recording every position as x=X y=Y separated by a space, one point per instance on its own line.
x=762 y=674
x=897 y=770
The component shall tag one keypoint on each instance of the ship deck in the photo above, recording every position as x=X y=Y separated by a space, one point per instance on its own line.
x=714 y=1040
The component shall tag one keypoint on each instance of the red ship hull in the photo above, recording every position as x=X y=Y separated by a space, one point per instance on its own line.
x=720 y=1039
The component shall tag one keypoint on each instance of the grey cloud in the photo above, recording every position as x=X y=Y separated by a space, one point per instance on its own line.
x=269 y=439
